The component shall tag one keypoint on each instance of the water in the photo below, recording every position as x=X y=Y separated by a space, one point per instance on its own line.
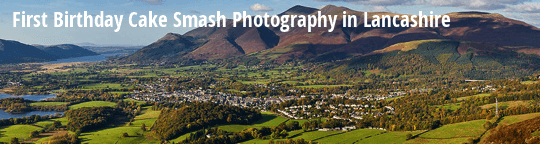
x=6 y=115
x=28 y=97
x=97 y=58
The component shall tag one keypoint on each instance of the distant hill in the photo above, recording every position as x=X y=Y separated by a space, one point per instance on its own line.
x=16 y=52
x=271 y=45
x=66 y=51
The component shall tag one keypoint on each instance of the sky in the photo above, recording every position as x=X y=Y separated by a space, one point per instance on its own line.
x=524 y=10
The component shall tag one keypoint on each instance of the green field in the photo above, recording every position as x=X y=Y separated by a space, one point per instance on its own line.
x=322 y=86
x=464 y=129
x=20 y=131
x=48 y=103
x=46 y=123
x=93 y=104
x=478 y=95
x=268 y=120
x=452 y=133
x=529 y=82
x=389 y=137
x=104 y=86
x=518 y=118
x=114 y=135
x=130 y=100
x=450 y=106
x=350 y=137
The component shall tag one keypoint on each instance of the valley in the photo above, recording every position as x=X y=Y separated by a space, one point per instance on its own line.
x=469 y=83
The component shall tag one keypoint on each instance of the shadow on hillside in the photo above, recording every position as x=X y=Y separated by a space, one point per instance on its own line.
x=265 y=118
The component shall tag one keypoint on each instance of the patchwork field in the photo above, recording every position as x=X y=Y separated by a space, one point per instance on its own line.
x=452 y=133
x=48 y=103
x=20 y=131
x=93 y=104
x=104 y=86
x=114 y=134
x=268 y=120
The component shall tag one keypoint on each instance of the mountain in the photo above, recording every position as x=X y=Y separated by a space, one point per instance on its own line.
x=16 y=52
x=471 y=30
x=170 y=46
x=66 y=51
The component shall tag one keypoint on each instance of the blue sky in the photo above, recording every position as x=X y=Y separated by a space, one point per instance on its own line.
x=525 y=10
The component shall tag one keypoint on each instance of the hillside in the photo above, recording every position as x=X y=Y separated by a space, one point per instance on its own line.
x=272 y=45
x=16 y=52
x=66 y=51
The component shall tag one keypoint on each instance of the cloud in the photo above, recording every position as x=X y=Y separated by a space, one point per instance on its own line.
x=524 y=8
x=128 y=4
x=152 y=2
x=377 y=9
x=194 y=11
x=373 y=2
x=260 y=8
x=467 y=4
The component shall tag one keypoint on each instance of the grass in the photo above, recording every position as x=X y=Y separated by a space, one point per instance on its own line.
x=390 y=99
x=136 y=135
x=48 y=103
x=20 y=131
x=436 y=141
x=478 y=95
x=104 y=86
x=518 y=118
x=93 y=104
x=452 y=133
x=312 y=135
x=528 y=82
x=322 y=86
x=47 y=123
x=389 y=137
x=450 y=106
x=350 y=137
x=268 y=120
x=508 y=104
x=138 y=102
x=458 y=130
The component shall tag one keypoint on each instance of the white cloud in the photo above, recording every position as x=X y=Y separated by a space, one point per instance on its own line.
x=377 y=9
x=524 y=8
x=260 y=8
x=373 y=2
x=152 y=2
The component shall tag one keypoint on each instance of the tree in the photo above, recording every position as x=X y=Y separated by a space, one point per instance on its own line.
x=14 y=140
x=34 y=134
x=409 y=136
x=143 y=127
x=57 y=124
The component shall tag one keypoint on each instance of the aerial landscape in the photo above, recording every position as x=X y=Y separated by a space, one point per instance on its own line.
x=476 y=81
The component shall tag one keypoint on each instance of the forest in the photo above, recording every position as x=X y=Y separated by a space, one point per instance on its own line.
x=174 y=122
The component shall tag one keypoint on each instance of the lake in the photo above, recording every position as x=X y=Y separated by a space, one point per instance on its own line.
x=96 y=58
x=28 y=97
x=6 y=115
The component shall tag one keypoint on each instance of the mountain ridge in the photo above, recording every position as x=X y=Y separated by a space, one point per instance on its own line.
x=272 y=45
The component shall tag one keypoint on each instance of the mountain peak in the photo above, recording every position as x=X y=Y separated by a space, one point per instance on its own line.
x=171 y=36
x=299 y=10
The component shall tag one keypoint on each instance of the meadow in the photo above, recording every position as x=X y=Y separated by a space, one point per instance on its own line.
x=20 y=131
x=269 y=119
x=114 y=134
x=93 y=104
x=47 y=103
